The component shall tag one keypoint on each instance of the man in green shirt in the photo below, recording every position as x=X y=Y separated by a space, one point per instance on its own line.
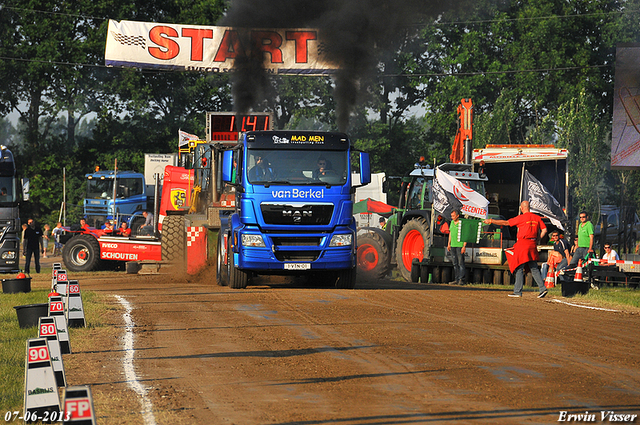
x=585 y=239
x=457 y=249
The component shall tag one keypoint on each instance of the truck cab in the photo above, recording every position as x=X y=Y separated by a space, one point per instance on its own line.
x=114 y=195
x=9 y=215
x=294 y=206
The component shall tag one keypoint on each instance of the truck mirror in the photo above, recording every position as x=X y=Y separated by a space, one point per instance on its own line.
x=227 y=166
x=25 y=189
x=365 y=169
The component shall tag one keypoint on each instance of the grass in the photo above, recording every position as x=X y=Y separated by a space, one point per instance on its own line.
x=13 y=347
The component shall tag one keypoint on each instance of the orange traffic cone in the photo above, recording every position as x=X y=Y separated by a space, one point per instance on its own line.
x=578 y=277
x=549 y=281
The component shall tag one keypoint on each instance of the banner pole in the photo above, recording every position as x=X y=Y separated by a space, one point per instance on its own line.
x=521 y=184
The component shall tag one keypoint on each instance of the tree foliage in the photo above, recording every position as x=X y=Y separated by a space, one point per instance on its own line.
x=538 y=71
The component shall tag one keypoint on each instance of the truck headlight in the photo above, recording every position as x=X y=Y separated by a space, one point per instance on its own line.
x=9 y=255
x=253 y=240
x=341 y=240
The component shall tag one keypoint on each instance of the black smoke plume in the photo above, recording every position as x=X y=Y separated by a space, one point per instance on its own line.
x=356 y=33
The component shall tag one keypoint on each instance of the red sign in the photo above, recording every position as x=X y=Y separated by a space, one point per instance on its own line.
x=62 y=277
x=47 y=329
x=74 y=289
x=38 y=354
x=56 y=306
x=78 y=408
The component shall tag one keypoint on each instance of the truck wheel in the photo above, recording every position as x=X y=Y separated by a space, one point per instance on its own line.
x=174 y=240
x=374 y=256
x=238 y=279
x=222 y=264
x=412 y=240
x=346 y=279
x=81 y=253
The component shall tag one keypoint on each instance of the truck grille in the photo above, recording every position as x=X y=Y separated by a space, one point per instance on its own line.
x=306 y=256
x=302 y=241
x=311 y=214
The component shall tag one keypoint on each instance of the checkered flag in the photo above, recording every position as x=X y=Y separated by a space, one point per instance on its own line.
x=130 y=40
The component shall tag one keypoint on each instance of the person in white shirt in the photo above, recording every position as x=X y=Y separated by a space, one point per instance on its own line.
x=610 y=255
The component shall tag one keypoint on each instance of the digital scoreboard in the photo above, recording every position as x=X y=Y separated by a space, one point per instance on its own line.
x=227 y=126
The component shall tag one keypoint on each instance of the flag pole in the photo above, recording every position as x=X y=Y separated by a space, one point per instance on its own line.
x=521 y=184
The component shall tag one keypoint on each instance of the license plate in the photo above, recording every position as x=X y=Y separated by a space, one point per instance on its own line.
x=297 y=266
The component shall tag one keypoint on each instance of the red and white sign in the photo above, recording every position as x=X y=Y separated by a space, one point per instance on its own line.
x=56 y=307
x=38 y=354
x=129 y=250
x=213 y=49
x=78 y=408
x=510 y=153
x=47 y=329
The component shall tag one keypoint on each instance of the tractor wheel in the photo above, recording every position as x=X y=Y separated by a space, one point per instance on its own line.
x=222 y=264
x=238 y=279
x=415 y=272
x=412 y=240
x=374 y=256
x=135 y=223
x=174 y=240
x=346 y=279
x=81 y=253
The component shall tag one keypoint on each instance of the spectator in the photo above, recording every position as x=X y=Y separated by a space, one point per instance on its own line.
x=559 y=257
x=610 y=255
x=383 y=223
x=33 y=237
x=585 y=240
x=57 y=236
x=457 y=249
x=46 y=233
x=147 y=227
x=124 y=230
x=525 y=252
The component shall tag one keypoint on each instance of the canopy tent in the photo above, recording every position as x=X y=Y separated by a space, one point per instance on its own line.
x=368 y=206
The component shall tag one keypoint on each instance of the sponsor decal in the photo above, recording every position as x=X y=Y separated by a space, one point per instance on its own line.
x=298 y=194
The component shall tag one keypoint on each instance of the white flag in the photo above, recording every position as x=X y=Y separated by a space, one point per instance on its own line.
x=473 y=203
x=184 y=137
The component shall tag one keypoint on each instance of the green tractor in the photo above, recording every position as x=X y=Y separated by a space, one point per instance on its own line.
x=407 y=234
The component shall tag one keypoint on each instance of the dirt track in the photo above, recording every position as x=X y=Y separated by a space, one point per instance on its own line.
x=385 y=353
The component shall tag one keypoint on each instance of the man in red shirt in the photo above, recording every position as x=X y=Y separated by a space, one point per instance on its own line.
x=525 y=251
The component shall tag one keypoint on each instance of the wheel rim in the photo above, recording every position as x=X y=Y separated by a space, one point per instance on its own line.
x=412 y=247
x=79 y=255
x=367 y=258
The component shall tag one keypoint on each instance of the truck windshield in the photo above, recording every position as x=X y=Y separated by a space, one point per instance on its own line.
x=294 y=167
x=103 y=188
x=8 y=190
x=99 y=188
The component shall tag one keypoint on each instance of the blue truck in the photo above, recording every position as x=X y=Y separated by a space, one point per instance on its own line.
x=294 y=207
x=10 y=192
x=119 y=196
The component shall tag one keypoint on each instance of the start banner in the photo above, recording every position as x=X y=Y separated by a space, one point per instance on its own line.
x=213 y=49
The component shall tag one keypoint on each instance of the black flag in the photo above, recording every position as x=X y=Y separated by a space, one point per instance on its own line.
x=444 y=202
x=541 y=201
